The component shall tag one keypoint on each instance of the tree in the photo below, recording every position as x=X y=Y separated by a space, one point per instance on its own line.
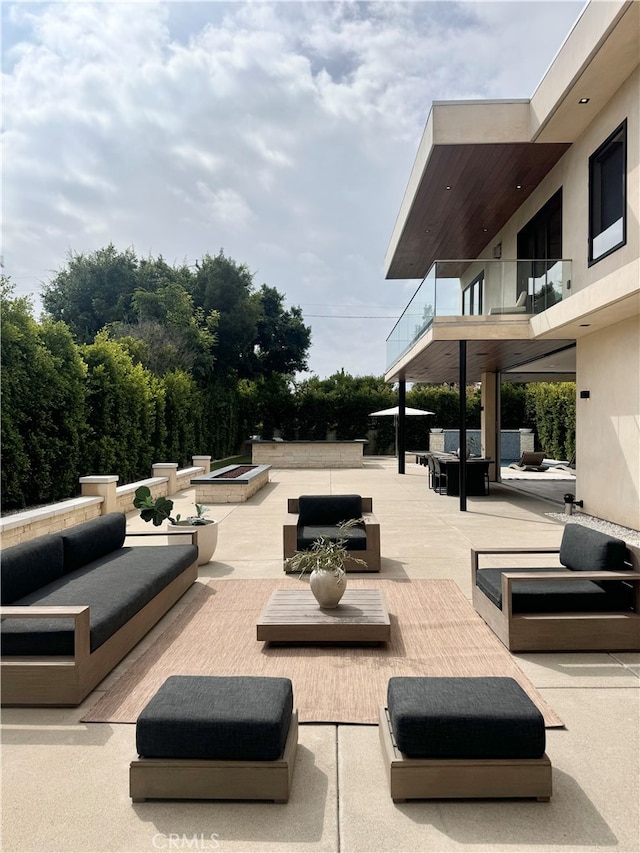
x=93 y=290
x=175 y=336
x=282 y=339
x=225 y=287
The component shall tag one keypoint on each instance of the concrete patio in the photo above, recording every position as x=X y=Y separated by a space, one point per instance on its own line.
x=65 y=783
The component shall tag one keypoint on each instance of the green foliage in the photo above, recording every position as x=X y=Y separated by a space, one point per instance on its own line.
x=552 y=407
x=42 y=421
x=513 y=406
x=120 y=411
x=157 y=511
x=183 y=406
x=326 y=555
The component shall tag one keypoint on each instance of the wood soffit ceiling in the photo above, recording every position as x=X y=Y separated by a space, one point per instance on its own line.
x=458 y=223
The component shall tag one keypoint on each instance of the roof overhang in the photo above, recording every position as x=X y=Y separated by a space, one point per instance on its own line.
x=494 y=344
x=479 y=160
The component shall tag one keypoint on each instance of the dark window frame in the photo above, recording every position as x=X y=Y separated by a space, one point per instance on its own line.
x=476 y=286
x=595 y=182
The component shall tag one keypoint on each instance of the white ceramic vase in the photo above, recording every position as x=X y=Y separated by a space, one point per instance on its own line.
x=206 y=538
x=327 y=588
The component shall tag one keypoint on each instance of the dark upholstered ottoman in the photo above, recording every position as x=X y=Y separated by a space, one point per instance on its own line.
x=463 y=737
x=209 y=737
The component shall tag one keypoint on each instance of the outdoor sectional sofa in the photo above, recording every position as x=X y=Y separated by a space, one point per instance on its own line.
x=75 y=602
x=590 y=603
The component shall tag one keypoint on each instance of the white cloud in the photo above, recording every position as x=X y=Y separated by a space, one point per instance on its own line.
x=282 y=132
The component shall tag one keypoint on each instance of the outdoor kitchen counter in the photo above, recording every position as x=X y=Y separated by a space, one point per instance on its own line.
x=308 y=454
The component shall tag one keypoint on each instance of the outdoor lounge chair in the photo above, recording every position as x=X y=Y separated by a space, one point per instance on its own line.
x=312 y=516
x=519 y=308
x=590 y=603
x=569 y=467
x=530 y=462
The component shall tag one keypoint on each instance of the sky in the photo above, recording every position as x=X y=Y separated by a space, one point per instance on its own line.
x=280 y=132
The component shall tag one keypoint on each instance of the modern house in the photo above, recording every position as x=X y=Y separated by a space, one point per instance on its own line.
x=521 y=218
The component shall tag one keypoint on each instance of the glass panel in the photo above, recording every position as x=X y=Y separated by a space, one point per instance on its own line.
x=474 y=287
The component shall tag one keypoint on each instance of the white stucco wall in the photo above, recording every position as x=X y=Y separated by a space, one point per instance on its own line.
x=608 y=423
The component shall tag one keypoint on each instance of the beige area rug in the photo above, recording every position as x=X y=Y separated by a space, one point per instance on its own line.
x=434 y=631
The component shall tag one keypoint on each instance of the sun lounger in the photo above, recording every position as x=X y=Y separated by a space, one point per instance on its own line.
x=530 y=462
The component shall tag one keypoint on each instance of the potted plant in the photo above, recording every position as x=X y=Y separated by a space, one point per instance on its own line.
x=325 y=561
x=158 y=510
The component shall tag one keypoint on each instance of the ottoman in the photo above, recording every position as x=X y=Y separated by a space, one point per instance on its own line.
x=463 y=738
x=211 y=737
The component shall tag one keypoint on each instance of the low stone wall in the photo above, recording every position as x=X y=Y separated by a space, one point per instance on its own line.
x=214 y=489
x=100 y=495
x=308 y=454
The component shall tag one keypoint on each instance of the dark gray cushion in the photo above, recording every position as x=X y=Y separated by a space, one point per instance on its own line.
x=355 y=538
x=26 y=567
x=241 y=718
x=554 y=596
x=328 y=509
x=115 y=588
x=585 y=550
x=93 y=539
x=464 y=718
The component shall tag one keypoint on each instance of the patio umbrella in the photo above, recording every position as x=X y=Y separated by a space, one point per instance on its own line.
x=393 y=412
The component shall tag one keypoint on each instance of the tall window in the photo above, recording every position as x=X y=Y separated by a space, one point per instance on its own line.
x=608 y=196
x=472 y=296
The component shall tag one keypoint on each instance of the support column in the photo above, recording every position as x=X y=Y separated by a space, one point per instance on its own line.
x=168 y=470
x=490 y=421
x=400 y=426
x=462 y=387
x=202 y=462
x=103 y=486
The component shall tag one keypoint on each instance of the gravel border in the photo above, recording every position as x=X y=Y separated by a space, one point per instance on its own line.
x=632 y=537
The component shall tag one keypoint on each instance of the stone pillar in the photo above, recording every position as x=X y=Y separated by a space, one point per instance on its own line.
x=202 y=462
x=168 y=470
x=103 y=486
x=490 y=421
x=436 y=441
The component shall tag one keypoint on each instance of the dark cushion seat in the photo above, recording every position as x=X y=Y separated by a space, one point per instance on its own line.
x=554 y=596
x=479 y=718
x=320 y=515
x=115 y=587
x=355 y=538
x=232 y=718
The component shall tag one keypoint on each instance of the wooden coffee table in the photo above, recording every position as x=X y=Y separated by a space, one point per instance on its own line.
x=293 y=616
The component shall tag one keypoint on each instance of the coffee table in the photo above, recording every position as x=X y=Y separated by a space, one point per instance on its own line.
x=293 y=616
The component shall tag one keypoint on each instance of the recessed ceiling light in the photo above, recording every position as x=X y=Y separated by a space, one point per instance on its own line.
x=447 y=188
x=584 y=100
x=485 y=230
x=584 y=325
x=518 y=186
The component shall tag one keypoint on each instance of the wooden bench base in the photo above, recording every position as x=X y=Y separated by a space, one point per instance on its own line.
x=194 y=779
x=441 y=778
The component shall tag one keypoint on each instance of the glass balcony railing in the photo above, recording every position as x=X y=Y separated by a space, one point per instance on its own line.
x=478 y=288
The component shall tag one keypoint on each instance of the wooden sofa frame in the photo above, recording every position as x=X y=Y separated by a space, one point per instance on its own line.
x=61 y=680
x=372 y=554
x=568 y=631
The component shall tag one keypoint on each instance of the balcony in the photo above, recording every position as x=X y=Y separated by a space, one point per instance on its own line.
x=463 y=288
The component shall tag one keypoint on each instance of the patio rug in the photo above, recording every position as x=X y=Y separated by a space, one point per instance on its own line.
x=434 y=631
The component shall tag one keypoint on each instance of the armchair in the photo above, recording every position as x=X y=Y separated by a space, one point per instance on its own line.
x=591 y=602
x=312 y=516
